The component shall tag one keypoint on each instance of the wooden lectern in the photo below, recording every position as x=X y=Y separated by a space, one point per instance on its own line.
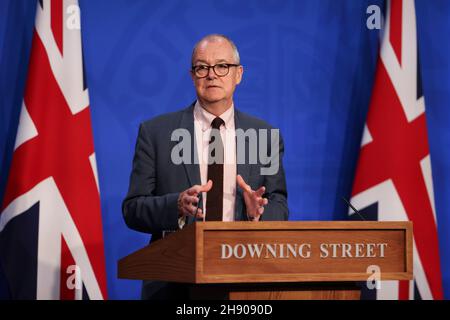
x=276 y=260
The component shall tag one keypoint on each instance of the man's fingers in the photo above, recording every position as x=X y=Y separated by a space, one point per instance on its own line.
x=242 y=183
x=199 y=213
x=191 y=209
x=260 y=191
x=206 y=187
x=194 y=190
x=262 y=201
x=190 y=199
x=253 y=199
x=246 y=187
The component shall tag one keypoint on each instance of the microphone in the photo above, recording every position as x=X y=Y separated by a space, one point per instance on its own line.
x=353 y=208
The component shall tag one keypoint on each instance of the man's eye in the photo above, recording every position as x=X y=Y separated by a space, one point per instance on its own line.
x=222 y=66
x=202 y=67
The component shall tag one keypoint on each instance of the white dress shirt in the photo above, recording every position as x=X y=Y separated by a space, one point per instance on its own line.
x=202 y=127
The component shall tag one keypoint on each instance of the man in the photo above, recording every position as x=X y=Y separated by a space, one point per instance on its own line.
x=217 y=179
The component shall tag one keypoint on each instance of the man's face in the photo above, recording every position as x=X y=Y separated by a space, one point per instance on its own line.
x=213 y=88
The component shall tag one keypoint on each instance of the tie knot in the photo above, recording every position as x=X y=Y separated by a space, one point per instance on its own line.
x=217 y=122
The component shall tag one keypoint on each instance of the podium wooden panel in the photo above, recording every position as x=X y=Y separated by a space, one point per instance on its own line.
x=275 y=260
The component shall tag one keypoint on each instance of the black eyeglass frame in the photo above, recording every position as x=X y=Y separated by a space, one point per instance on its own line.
x=207 y=67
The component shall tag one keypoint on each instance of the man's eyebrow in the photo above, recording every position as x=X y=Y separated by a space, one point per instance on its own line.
x=199 y=61
x=216 y=62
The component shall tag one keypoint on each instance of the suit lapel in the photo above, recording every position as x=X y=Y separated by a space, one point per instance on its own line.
x=192 y=169
x=242 y=169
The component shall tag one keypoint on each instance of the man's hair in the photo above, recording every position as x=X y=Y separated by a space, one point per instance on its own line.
x=215 y=37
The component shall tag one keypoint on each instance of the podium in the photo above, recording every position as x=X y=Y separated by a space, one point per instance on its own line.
x=286 y=260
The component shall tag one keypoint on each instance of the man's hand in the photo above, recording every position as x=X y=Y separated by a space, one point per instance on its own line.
x=253 y=199
x=188 y=200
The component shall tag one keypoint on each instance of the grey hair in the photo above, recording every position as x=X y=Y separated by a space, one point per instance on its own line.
x=215 y=37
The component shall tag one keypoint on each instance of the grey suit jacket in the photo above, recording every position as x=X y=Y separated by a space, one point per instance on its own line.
x=156 y=182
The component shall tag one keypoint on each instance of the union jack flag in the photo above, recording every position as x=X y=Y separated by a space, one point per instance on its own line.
x=393 y=179
x=51 y=240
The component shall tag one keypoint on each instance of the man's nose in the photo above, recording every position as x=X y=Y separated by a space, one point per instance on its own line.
x=211 y=74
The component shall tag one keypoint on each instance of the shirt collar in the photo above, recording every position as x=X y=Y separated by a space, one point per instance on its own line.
x=206 y=118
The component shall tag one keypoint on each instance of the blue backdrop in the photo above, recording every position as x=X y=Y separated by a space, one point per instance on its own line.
x=308 y=69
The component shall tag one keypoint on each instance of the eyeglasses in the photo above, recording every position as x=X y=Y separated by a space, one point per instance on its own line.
x=220 y=69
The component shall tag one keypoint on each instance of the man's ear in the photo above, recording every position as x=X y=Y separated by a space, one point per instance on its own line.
x=239 y=74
